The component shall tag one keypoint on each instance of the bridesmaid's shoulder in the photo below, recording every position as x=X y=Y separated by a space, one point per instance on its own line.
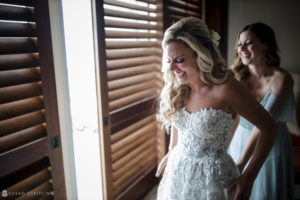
x=283 y=83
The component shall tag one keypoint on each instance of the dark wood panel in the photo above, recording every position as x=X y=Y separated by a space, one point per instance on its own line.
x=217 y=19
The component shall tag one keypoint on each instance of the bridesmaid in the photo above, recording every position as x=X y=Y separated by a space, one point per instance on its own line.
x=257 y=67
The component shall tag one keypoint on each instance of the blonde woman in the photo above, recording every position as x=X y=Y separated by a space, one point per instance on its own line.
x=199 y=102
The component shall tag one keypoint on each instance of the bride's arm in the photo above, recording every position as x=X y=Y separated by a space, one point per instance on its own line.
x=173 y=143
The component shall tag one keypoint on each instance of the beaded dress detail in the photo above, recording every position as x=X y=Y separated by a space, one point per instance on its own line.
x=198 y=166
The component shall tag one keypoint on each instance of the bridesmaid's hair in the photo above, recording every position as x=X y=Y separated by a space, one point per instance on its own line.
x=194 y=34
x=265 y=35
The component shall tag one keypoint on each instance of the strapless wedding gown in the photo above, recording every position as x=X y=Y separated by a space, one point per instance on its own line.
x=199 y=167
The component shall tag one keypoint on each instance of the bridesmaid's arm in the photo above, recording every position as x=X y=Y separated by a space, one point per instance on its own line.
x=282 y=88
x=235 y=125
x=260 y=143
x=173 y=143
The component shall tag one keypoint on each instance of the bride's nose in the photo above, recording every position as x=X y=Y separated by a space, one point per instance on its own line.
x=172 y=66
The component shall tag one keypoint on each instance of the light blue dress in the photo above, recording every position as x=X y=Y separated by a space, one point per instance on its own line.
x=276 y=177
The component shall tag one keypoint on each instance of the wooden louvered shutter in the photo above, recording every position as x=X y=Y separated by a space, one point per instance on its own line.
x=30 y=152
x=177 y=9
x=129 y=35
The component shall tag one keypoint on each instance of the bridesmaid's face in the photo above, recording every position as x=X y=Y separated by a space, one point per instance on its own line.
x=182 y=62
x=250 y=49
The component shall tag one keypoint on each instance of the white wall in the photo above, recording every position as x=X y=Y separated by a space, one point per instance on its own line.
x=282 y=15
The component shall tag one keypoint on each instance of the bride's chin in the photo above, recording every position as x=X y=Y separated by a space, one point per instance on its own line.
x=181 y=82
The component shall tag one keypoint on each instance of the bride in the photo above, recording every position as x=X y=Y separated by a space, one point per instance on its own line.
x=199 y=102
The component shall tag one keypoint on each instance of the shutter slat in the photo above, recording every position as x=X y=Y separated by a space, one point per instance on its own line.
x=22 y=137
x=128 y=157
x=10 y=29
x=113 y=105
x=130 y=62
x=31 y=182
x=130 y=44
x=137 y=111
x=17 y=2
x=138 y=173
x=21 y=107
x=115 y=94
x=128 y=15
x=18 y=61
x=25 y=156
x=184 y=5
x=38 y=191
x=132 y=25
x=123 y=151
x=196 y=2
x=16 y=13
x=148 y=157
x=131 y=34
x=26 y=171
x=15 y=93
x=120 y=83
x=130 y=162
x=122 y=73
x=143 y=131
x=135 y=52
x=20 y=76
x=126 y=131
x=18 y=45
x=189 y=3
x=183 y=13
x=149 y=1
x=21 y=122
x=129 y=5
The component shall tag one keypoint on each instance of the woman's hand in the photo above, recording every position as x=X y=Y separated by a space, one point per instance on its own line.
x=241 y=188
x=161 y=165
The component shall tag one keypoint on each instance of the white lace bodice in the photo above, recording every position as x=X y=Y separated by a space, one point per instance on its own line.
x=203 y=133
x=199 y=167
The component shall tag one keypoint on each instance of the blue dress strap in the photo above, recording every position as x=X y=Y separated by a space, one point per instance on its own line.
x=281 y=110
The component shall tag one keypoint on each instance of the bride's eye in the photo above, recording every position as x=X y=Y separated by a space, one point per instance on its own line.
x=180 y=60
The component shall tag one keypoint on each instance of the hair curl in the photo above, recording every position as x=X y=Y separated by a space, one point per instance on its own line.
x=194 y=34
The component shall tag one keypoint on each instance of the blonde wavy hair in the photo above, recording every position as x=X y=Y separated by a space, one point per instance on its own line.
x=194 y=34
